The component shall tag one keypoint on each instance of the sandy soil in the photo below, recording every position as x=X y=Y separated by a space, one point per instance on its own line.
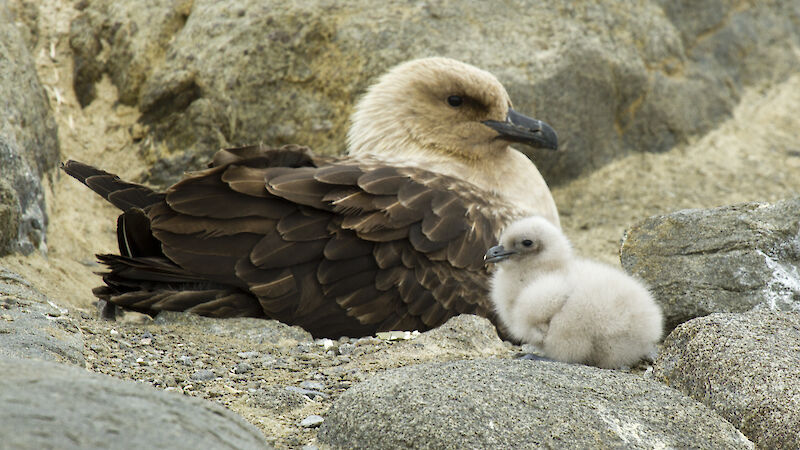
x=80 y=225
x=753 y=156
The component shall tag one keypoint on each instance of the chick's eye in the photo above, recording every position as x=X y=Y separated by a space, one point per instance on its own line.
x=455 y=101
x=527 y=242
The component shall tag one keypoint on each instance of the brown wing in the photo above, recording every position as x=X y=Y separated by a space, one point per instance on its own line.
x=340 y=248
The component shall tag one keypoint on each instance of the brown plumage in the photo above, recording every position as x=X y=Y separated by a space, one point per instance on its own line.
x=390 y=237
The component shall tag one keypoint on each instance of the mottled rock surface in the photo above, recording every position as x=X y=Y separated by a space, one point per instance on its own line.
x=729 y=259
x=32 y=326
x=494 y=403
x=611 y=78
x=745 y=367
x=28 y=143
x=289 y=376
x=41 y=410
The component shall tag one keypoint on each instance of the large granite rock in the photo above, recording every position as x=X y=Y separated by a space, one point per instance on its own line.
x=745 y=367
x=28 y=143
x=49 y=405
x=730 y=259
x=493 y=403
x=32 y=326
x=611 y=78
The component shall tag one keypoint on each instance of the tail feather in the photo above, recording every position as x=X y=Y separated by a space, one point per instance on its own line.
x=122 y=194
x=205 y=302
x=134 y=235
x=152 y=284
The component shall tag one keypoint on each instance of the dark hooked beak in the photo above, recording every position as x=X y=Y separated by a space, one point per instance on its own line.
x=497 y=253
x=524 y=130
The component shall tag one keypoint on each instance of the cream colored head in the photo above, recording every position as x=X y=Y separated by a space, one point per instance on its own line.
x=531 y=244
x=431 y=106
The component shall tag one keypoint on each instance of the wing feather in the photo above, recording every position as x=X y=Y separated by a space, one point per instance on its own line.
x=340 y=247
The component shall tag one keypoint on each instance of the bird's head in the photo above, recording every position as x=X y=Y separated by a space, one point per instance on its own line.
x=439 y=106
x=533 y=241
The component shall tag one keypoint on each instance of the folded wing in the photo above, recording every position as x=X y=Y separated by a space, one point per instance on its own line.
x=339 y=247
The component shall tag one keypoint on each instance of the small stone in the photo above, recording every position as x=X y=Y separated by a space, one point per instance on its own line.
x=215 y=392
x=313 y=385
x=142 y=362
x=369 y=340
x=326 y=343
x=312 y=421
x=307 y=392
x=185 y=360
x=113 y=332
x=346 y=349
x=309 y=447
x=203 y=375
x=394 y=335
x=242 y=367
x=248 y=355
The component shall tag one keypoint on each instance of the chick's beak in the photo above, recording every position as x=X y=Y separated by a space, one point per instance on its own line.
x=522 y=129
x=497 y=253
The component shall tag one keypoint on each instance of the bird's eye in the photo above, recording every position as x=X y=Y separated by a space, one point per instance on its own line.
x=455 y=101
x=527 y=242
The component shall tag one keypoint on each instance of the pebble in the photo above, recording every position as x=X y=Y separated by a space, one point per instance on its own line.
x=146 y=338
x=242 y=367
x=185 y=360
x=248 y=355
x=324 y=343
x=346 y=349
x=397 y=335
x=313 y=385
x=312 y=421
x=368 y=340
x=307 y=392
x=203 y=375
